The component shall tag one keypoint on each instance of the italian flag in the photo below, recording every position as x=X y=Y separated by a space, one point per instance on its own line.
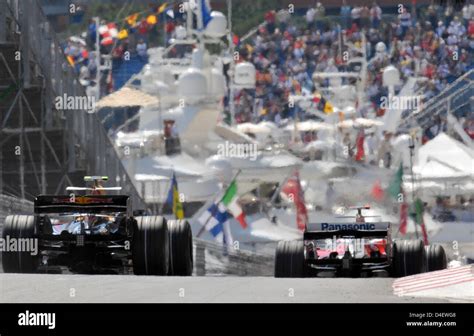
x=395 y=187
x=230 y=202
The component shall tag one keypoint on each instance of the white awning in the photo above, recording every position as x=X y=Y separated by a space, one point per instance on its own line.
x=127 y=97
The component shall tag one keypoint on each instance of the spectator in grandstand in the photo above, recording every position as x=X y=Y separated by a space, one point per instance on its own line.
x=449 y=13
x=385 y=150
x=456 y=28
x=345 y=15
x=310 y=16
x=365 y=17
x=142 y=49
x=355 y=15
x=270 y=21
x=405 y=21
x=468 y=13
x=91 y=34
x=283 y=16
x=375 y=15
x=319 y=16
x=440 y=29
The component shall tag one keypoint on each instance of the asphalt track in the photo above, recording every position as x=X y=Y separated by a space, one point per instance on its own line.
x=68 y=288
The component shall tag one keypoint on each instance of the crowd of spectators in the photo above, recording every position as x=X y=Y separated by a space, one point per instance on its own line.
x=80 y=58
x=115 y=49
x=433 y=43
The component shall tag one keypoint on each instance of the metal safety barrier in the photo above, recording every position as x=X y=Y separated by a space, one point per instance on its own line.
x=215 y=259
x=209 y=258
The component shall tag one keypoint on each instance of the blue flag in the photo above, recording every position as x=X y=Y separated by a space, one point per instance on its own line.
x=206 y=13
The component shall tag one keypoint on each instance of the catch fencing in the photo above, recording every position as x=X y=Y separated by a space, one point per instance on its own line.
x=88 y=145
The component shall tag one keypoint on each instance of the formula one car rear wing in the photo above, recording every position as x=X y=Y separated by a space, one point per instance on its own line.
x=357 y=230
x=97 y=187
x=94 y=189
x=89 y=204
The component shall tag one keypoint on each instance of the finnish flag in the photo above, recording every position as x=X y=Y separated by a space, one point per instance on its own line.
x=216 y=221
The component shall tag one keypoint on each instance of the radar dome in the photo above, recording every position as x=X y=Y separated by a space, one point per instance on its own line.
x=391 y=76
x=192 y=85
x=217 y=84
x=245 y=75
x=217 y=27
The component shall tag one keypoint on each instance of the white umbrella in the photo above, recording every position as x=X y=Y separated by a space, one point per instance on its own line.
x=254 y=128
x=309 y=125
x=359 y=123
x=76 y=39
x=318 y=145
x=127 y=97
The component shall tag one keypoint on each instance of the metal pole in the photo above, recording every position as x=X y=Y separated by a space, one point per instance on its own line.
x=339 y=40
x=189 y=21
x=42 y=148
x=200 y=20
x=231 y=71
x=165 y=35
x=229 y=18
x=3 y=21
x=97 y=58
x=1 y=169
x=25 y=44
x=22 y=159
x=412 y=147
x=363 y=79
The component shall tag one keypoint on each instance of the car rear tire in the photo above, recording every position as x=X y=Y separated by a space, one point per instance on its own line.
x=289 y=259
x=181 y=248
x=20 y=227
x=408 y=258
x=150 y=246
x=435 y=258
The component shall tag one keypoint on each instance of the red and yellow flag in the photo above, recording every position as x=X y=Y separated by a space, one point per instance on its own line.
x=132 y=19
x=162 y=8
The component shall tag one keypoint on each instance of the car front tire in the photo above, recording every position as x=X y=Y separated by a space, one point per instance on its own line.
x=181 y=248
x=408 y=257
x=435 y=258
